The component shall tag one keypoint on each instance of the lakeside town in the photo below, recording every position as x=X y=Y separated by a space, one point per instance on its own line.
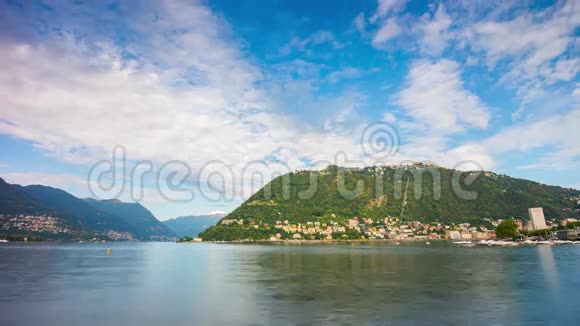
x=33 y=224
x=388 y=228
x=394 y=229
x=357 y=228
x=46 y=224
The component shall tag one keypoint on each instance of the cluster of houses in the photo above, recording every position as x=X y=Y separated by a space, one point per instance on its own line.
x=33 y=224
x=367 y=228
x=567 y=221
x=30 y=224
x=120 y=236
x=464 y=231
x=392 y=228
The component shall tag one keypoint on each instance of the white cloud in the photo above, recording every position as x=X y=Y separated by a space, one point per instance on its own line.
x=563 y=70
x=435 y=96
x=318 y=38
x=389 y=117
x=64 y=105
x=182 y=95
x=389 y=30
x=552 y=140
x=360 y=23
x=472 y=61
x=434 y=32
x=558 y=131
x=185 y=93
x=217 y=213
x=345 y=73
x=187 y=90
x=524 y=35
x=533 y=50
x=533 y=44
x=386 y=7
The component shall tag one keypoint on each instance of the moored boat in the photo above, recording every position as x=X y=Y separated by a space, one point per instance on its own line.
x=464 y=243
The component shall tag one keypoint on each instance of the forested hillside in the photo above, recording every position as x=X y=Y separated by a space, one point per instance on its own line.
x=411 y=193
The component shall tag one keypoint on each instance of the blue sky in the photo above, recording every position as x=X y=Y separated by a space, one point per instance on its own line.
x=223 y=86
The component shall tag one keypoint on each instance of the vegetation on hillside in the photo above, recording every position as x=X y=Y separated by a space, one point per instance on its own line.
x=507 y=229
x=413 y=193
x=25 y=212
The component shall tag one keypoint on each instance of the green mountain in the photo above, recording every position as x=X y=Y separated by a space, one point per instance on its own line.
x=413 y=193
x=192 y=225
x=51 y=213
x=89 y=217
x=13 y=200
x=140 y=220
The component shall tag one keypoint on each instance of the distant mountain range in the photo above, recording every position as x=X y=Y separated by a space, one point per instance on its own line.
x=190 y=226
x=54 y=213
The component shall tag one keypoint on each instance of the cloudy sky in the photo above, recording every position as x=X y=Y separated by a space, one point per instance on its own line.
x=215 y=88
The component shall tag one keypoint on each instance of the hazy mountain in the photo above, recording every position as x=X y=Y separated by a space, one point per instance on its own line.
x=191 y=225
x=141 y=221
x=13 y=200
x=83 y=216
x=89 y=217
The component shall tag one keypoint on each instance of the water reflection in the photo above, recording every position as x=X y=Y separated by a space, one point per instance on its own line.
x=376 y=284
x=548 y=266
x=211 y=284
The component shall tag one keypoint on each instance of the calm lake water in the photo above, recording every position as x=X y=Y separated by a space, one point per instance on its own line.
x=227 y=284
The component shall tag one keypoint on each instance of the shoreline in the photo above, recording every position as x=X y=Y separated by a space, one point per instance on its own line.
x=481 y=243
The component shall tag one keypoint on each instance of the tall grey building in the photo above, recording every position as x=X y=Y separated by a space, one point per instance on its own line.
x=537 y=218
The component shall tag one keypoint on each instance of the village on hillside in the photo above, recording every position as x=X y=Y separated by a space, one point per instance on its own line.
x=391 y=228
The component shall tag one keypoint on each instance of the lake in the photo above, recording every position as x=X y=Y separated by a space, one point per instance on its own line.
x=370 y=283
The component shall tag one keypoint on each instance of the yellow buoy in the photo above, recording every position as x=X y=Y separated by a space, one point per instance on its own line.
x=109 y=251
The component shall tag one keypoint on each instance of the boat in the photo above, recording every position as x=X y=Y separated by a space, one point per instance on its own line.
x=502 y=243
x=547 y=242
x=3 y=241
x=427 y=243
x=498 y=243
x=560 y=242
x=464 y=243
x=397 y=243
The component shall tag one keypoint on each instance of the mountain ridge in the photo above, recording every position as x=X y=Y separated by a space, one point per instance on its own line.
x=56 y=214
x=89 y=217
x=140 y=220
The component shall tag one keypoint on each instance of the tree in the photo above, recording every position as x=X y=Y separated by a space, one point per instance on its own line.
x=543 y=233
x=507 y=229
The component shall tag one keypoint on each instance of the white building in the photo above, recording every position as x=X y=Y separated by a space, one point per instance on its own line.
x=454 y=235
x=537 y=219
